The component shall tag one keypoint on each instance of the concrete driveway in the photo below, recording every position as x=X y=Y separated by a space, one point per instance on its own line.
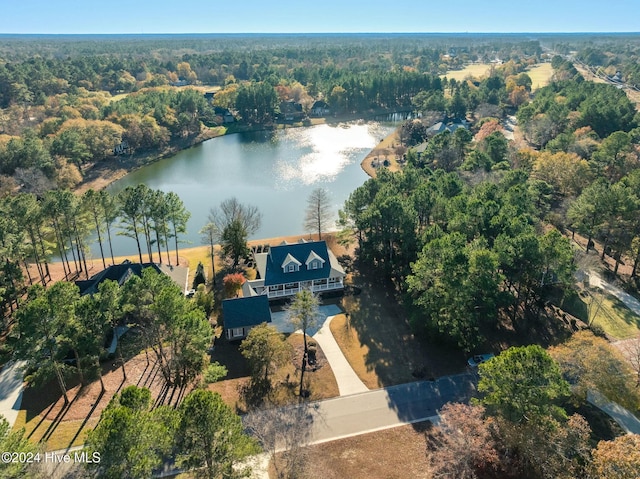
x=348 y=381
x=282 y=324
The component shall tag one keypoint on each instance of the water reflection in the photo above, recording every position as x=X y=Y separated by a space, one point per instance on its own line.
x=328 y=149
x=275 y=171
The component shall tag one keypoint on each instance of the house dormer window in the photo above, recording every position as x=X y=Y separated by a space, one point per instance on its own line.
x=290 y=264
x=314 y=261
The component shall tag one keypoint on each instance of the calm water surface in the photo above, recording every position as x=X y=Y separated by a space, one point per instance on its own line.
x=274 y=171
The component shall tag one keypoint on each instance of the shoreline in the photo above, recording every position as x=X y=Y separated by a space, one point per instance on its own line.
x=384 y=151
x=190 y=257
x=99 y=176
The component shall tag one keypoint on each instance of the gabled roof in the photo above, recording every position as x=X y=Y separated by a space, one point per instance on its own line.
x=313 y=255
x=119 y=273
x=244 y=312
x=123 y=271
x=421 y=147
x=290 y=259
x=277 y=255
x=437 y=128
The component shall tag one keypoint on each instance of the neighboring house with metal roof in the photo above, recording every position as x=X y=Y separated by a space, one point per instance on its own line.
x=242 y=314
x=290 y=268
x=125 y=270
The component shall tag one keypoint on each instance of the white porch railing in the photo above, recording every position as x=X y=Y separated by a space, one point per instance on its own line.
x=280 y=293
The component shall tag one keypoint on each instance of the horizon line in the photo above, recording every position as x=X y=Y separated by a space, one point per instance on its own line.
x=336 y=33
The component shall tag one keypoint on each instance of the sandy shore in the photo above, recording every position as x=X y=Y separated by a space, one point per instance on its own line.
x=385 y=150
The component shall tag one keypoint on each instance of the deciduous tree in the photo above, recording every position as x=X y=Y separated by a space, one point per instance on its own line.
x=233 y=283
x=235 y=222
x=617 y=459
x=318 y=214
x=464 y=447
x=591 y=363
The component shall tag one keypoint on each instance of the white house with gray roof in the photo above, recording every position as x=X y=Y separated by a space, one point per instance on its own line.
x=289 y=268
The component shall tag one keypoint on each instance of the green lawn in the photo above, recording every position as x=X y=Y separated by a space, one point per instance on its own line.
x=604 y=310
x=615 y=318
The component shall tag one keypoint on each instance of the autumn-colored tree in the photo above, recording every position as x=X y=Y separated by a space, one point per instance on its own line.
x=588 y=362
x=464 y=447
x=524 y=158
x=549 y=448
x=518 y=96
x=487 y=128
x=232 y=284
x=617 y=459
x=567 y=172
x=185 y=72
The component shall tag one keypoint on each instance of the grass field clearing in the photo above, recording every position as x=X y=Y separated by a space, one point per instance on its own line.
x=477 y=70
x=540 y=75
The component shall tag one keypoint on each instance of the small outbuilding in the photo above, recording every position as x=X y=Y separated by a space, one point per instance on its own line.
x=242 y=314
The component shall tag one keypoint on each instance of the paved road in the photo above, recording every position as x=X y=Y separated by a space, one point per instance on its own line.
x=11 y=390
x=379 y=409
x=623 y=417
x=366 y=412
x=632 y=303
x=384 y=408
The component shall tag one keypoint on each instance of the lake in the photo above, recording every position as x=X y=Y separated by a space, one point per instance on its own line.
x=273 y=170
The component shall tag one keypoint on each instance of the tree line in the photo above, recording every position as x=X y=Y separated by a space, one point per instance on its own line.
x=58 y=115
x=460 y=255
x=32 y=229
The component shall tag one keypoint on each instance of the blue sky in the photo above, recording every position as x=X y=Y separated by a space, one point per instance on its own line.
x=287 y=16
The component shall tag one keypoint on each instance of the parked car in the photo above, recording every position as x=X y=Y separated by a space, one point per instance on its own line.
x=475 y=361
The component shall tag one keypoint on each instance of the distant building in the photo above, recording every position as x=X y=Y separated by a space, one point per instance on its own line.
x=122 y=148
x=320 y=108
x=225 y=114
x=451 y=126
x=291 y=111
